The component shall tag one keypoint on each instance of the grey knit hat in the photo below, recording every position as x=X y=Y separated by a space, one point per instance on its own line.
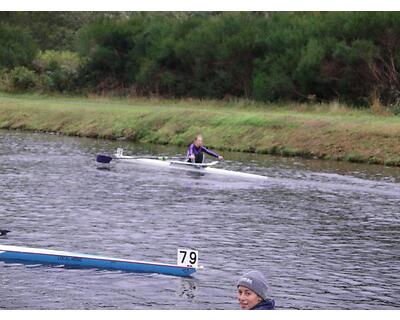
x=255 y=281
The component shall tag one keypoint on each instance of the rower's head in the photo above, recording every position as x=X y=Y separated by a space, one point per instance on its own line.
x=252 y=288
x=198 y=141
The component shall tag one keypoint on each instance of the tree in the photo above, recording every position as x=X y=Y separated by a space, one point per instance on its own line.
x=17 y=47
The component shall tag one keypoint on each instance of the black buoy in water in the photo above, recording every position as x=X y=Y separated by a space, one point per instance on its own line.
x=4 y=232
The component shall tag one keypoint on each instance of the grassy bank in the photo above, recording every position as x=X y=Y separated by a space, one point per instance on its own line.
x=321 y=131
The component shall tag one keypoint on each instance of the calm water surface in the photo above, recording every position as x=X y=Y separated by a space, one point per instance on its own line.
x=326 y=234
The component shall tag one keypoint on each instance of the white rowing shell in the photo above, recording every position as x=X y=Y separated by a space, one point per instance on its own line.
x=188 y=166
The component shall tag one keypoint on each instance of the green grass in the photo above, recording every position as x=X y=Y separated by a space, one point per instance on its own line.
x=327 y=131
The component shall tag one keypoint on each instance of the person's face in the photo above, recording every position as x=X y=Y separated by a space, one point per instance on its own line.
x=247 y=298
x=199 y=142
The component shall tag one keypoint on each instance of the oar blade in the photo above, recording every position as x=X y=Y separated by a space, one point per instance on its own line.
x=101 y=158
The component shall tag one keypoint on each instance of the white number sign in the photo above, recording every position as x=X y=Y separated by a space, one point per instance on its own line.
x=188 y=258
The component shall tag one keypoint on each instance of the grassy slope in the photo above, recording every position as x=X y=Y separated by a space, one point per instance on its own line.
x=331 y=132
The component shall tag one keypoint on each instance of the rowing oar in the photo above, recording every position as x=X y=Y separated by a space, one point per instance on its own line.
x=102 y=158
x=4 y=232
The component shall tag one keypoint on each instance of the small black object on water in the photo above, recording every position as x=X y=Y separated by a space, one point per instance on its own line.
x=4 y=232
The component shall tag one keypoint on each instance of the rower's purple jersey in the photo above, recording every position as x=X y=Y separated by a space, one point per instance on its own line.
x=195 y=151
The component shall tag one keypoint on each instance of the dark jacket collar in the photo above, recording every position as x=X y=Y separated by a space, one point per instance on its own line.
x=268 y=304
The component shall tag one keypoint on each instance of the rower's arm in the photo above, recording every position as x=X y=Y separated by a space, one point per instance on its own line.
x=211 y=153
x=190 y=151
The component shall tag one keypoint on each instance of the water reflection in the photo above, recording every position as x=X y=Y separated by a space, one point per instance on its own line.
x=187 y=289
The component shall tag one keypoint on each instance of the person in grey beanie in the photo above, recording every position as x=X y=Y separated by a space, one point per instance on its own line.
x=253 y=292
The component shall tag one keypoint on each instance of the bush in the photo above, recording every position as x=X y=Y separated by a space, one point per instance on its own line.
x=17 y=47
x=396 y=110
x=61 y=79
x=43 y=83
x=58 y=70
x=65 y=59
x=4 y=82
x=21 y=79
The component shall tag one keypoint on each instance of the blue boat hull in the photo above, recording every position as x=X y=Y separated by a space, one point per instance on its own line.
x=85 y=261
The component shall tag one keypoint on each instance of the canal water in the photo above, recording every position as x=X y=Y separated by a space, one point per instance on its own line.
x=325 y=234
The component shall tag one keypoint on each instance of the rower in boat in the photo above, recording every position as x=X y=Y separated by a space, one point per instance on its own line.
x=195 y=151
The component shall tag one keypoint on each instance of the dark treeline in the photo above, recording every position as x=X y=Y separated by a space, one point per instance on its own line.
x=343 y=56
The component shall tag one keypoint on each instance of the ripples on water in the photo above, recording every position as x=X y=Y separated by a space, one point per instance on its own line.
x=326 y=234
